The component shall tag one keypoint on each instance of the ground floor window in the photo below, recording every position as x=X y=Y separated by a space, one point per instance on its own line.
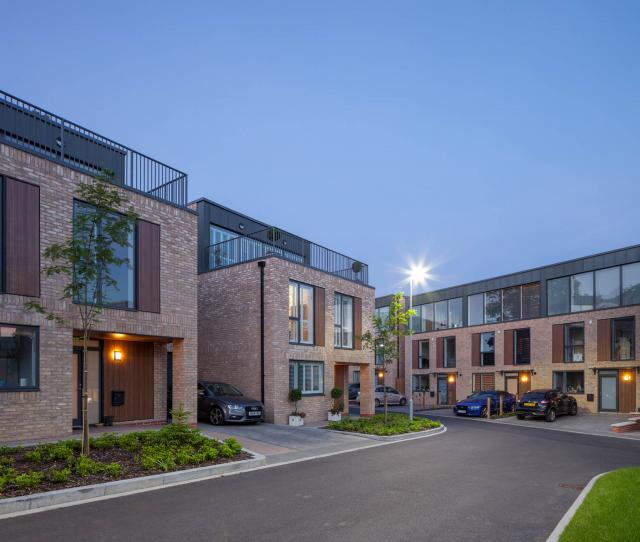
x=484 y=381
x=420 y=382
x=569 y=381
x=18 y=357
x=355 y=377
x=307 y=376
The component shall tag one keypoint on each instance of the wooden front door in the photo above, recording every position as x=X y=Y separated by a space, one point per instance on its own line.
x=627 y=390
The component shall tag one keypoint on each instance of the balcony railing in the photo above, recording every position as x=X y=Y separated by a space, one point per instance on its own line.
x=273 y=241
x=35 y=130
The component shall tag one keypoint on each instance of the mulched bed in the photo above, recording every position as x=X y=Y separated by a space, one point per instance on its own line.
x=130 y=468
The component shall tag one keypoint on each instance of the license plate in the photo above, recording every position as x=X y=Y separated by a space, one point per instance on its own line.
x=462 y=409
x=529 y=404
x=257 y=413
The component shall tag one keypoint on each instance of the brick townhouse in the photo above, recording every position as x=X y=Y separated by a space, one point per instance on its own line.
x=151 y=315
x=571 y=326
x=276 y=311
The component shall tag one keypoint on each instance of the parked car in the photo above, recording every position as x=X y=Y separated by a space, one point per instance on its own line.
x=547 y=403
x=220 y=402
x=354 y=389
x=476 y=403
x=394 y=397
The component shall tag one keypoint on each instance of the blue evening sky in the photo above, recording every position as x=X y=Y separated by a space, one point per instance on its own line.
x=480 y=137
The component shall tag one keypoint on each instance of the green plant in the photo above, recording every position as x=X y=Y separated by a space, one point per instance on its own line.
x=6 y=461
x=396 y=424
x=28 y=479
x=180 y=416
x=106 y=441
x=34 y=456
x=57 y=451
x=337 y=407
x=112 y=469
x=295 y=395
x=59 y=476
x=155 y=457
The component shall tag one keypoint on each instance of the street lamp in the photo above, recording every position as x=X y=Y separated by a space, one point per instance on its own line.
x=418 y=274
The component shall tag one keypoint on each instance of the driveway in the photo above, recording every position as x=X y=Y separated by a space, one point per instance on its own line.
x=477 y=481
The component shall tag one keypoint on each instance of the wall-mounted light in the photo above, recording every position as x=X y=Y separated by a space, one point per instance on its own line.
x=380 y=374
x=524 y=378
x=451 y=379
x=241 y=226
x=117 y=355
x=626 y=377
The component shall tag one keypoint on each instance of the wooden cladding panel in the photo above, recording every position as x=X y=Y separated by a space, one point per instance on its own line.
x=22 y=235
x=557 y=343
x=415 y=353
x=357 y=323
x=484 y=381
x=440 y=352
x=451 y=392
x=524 y=382
x=475 y=349
x=148 y=265
x=319 y=316
x=133 y=375
x=508 y=347
x=604 y=339
x=627 y=391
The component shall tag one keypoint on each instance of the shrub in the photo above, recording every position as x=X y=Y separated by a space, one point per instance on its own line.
x=58 y=476
x=106 y=441
x=234 y=445
x=7 y=477
x=34 y=456
x=295 y=395
x=6 y=461
x=112 y=469
x=154 y=457
x=29 y=479
x=397 y=425
x=58 y=451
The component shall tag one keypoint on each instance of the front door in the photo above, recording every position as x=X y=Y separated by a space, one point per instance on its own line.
x=608 y=387
x=443 y=387
x=511 y=383
x=93 y=386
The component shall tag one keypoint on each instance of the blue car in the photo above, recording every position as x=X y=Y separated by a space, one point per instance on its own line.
x=476 y=403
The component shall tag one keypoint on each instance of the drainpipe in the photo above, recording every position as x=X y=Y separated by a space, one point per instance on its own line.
x=262 y=265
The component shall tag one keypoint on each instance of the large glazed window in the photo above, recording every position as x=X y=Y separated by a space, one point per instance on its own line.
x=608 y=288
x=441 y=315
x=582 y=292
x=423 y=355
x=569 y=381
x=623 y=336
x=343 y=321
x=18 y=357
x=574 y=343
x=522 y=346
x=511 y=303
x=455 y=312
x=449 y=352
x=631 y=284
x=531 y=300
x=493 y=306
x=558 y=296
x=307 y=376
x=222 y=254
x=300 y=313
x=476 y=309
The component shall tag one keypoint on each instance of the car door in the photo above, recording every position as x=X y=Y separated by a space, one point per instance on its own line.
x=565 y=402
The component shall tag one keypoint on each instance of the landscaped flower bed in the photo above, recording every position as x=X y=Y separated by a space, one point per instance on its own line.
x=397 y=424
x=59 y=465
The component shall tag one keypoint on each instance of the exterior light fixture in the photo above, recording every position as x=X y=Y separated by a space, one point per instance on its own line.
x=451 y=379
x=626 y=377
x=117 y=355
x=524 y=378
x=380 y=374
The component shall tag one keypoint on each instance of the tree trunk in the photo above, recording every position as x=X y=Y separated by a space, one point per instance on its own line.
x=85 y=396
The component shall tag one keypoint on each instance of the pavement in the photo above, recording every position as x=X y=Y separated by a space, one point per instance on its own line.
x=477 y=481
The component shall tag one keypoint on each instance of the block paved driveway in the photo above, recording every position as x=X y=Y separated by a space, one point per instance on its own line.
x=477 y=481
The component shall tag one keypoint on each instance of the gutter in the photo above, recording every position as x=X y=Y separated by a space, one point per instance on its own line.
x=262 y=264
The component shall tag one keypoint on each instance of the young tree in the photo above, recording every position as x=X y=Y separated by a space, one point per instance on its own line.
x=102 y=222
x=386 y=333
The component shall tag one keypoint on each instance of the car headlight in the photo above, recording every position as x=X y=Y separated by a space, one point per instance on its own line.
x=233 y=406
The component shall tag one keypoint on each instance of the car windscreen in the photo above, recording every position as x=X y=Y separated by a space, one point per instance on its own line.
x=533 y=396
x=224 y=389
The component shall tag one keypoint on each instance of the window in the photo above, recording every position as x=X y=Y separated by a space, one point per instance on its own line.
x=531 y=300
x=18 y=357
x=300 y=313
x=355 y=377
x=343 y=321
x=476 y=309
x=582 y=292
x=455 y=312
x=608 y=288
x=307 y=376
x=569 y=381
x=415 y=323
x=449 y=351
x=382 y=313
x=423 y=319
x=574 y=343
x=119 y=292
x=379 y=356
x=522 y=346
x=493 y=306
x=224 y=254
x=558 y=296
x=631 y=284
x=420 y=382
x=488 y=348
x=511 y=309
x=423 y=355
x=623 y=337
x=441 y=315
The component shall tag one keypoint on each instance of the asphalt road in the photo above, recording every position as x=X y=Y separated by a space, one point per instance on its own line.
x=476 y=482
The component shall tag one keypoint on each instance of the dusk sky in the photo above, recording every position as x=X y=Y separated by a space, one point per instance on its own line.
x=479 y=137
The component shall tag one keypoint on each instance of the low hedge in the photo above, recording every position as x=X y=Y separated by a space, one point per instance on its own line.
x=397 y=424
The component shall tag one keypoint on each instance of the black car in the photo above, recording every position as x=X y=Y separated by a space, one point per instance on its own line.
x=219 y=403
x=353 y=391
x=547 y=404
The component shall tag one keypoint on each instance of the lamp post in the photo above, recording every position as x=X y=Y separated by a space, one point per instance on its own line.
x=416 y=273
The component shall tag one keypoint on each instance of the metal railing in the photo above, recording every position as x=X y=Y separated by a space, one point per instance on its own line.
x=273 y=241
x=28 y=127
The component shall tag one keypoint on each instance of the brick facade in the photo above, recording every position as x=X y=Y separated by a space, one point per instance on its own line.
x=229 y=334
x=47 y=412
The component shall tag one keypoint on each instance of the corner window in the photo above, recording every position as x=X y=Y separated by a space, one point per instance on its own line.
x=488 y=348
x=449 y=352
x=522 y=346
x=569 y=381
x=343 y=321
x=423 y=355
x=307 y=376
x=574 y=343
x=623 y=337
x=18 y=357
x=300 y=313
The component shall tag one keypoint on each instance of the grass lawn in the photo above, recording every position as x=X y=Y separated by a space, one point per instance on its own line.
x=397 y=424
x=59 y=465
x=611 y=511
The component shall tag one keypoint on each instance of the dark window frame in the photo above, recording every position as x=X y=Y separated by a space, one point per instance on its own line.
x=445 y=358
x=421 y=357
x=36 y=384
x=340 y=326
x=296 y=363
x=298 y=319
x=563 y=388
x=568 y=351
x=491 y=359
x=614 y=350
x=516 y=358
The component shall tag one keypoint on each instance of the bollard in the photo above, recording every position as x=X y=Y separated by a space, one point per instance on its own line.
x=501 y=410
x=488 y=408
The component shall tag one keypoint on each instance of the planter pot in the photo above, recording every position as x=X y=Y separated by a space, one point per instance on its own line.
x=334 y=417
x=296 y=421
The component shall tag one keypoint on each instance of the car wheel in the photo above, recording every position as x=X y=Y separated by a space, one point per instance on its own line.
x=402 y=402
x=550 y=416
x=377 y=403
x=216 y=416
x=573 y=410
x=520 y=416
x=483 y=412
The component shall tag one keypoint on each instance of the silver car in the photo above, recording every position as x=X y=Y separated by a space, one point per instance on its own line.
x=394 y=397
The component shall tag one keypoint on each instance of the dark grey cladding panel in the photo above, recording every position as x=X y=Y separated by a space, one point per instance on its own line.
x=383 y=301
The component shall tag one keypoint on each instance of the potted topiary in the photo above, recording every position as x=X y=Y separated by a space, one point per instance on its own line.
x=296 y=418
x=335 y=413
